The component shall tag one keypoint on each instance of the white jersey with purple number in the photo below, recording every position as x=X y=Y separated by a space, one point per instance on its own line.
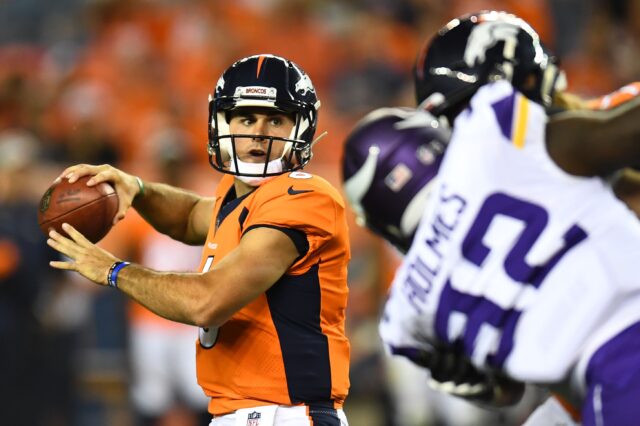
x=530 y=268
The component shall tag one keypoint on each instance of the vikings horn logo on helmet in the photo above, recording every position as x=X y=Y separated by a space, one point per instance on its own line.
x=390 y=160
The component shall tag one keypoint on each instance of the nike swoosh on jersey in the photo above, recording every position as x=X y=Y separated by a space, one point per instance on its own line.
x=292 y=191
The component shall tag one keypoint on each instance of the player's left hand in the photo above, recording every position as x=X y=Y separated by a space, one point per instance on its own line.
x=127 y=186
x=86 y=258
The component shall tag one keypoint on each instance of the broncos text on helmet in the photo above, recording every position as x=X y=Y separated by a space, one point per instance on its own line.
x=390 y=159
x=266 y=81
x=479 y=48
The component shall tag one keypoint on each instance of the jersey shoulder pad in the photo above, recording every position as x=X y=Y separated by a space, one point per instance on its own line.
x=513 y=112
x=308 y=203
x=299 y=184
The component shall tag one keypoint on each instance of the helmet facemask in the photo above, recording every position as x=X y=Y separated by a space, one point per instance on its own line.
x=295 y=148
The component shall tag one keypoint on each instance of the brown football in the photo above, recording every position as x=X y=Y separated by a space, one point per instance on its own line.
x=89 y=209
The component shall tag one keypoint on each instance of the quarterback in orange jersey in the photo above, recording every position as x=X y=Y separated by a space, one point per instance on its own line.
x=271 y=293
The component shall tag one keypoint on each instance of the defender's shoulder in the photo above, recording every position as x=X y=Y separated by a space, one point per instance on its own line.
x=500 y=109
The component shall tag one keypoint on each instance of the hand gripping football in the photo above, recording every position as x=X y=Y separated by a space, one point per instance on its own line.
x=89 y=209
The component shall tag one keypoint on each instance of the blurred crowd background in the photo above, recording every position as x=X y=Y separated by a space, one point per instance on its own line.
x=126 y=82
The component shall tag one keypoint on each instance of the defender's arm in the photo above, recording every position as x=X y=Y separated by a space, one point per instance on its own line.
x=596 y=143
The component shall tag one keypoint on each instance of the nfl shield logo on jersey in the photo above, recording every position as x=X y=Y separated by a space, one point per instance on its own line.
x=253 y=419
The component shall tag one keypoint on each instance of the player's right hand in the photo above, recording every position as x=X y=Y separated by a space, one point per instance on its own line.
x=126 y=185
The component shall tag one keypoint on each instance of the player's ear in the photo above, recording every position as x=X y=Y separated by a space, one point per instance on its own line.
x=529 y=83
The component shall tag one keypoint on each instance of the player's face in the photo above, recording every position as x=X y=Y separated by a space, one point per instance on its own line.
x=260 y=122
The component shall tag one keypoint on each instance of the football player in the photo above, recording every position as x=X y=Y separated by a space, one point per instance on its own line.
x=390 y=164
x=523 y=259
x=271 y=293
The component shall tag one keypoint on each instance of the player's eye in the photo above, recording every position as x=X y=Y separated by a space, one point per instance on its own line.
x=246 y=121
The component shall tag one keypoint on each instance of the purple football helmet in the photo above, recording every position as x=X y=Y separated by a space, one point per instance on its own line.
x=389 y=161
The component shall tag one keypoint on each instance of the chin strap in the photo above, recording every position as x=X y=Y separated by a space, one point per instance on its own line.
x=321 y=136
x=252 y=181
x=273 y=167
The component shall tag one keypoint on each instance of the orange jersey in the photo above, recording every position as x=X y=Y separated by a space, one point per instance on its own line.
x=616 y=98
x=288 y=346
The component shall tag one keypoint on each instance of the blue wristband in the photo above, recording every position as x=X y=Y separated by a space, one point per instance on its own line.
x=112 y=275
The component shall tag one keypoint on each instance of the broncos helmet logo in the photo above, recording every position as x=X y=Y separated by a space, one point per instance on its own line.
x=304 y=85
x=220 y=83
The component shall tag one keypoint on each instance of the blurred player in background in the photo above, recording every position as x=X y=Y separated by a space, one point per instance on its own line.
x=409 y=145
x=451 y=288
x=42 y=311
x=35 y=350
x=163 y=367
x=405 y=146
x=271 y=295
